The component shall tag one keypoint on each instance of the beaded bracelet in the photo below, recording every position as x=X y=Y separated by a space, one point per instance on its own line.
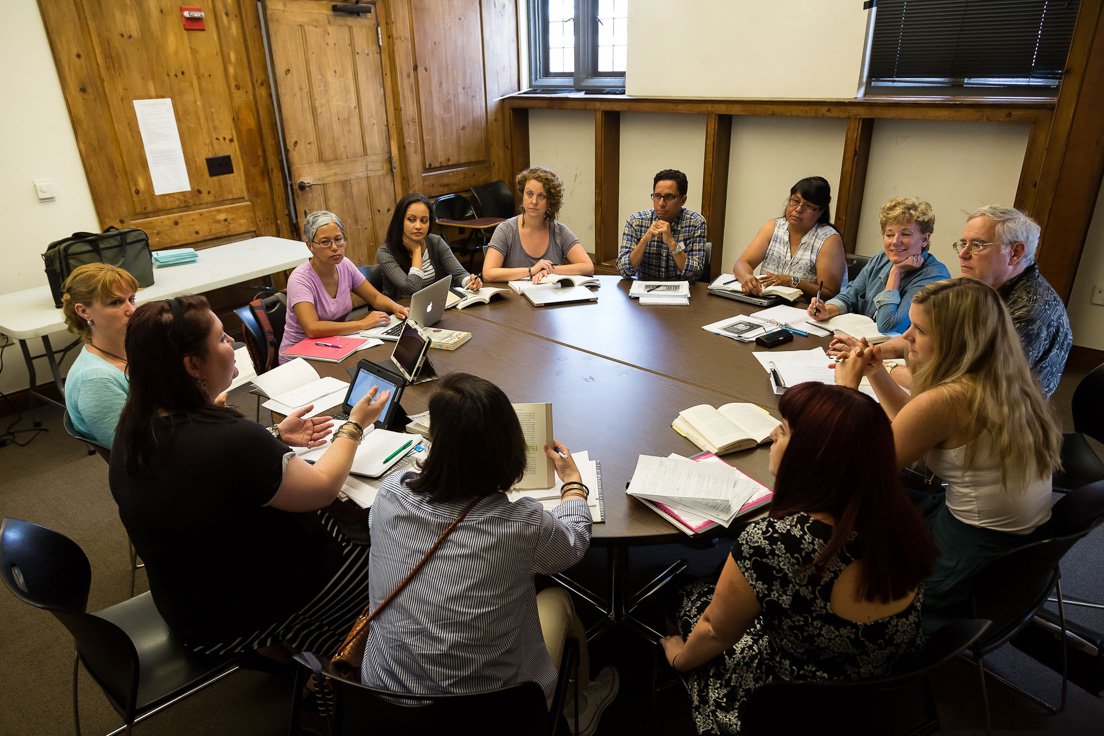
x=574 y=486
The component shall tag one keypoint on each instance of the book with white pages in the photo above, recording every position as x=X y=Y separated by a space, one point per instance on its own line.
x=728 y=428
x=295 y=384
x=380 y=449
x=543 y=295
x=787 y=316
x=461 y=298
x=855 y=325
x=246 y=371
x=536 y=426
x=564 y=280
x=715 y=490
x=676 y=290
x=729 y=283
x=798 y=366
x=742 y=328
x=283 y=378
x=591 y=472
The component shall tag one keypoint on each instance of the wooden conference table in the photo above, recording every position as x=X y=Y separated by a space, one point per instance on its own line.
x=25 y=315
x=617 y=374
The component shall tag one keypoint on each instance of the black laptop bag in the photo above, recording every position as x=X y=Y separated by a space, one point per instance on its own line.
x=127 y=249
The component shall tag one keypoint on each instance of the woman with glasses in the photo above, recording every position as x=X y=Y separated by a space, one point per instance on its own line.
x=800 y=249
x=884 y=288
x=319 y=291
x=533 y=244
x=977 y=417
x=412 y=258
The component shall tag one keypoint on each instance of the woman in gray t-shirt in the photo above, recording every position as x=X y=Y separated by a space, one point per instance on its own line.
x=533 y=245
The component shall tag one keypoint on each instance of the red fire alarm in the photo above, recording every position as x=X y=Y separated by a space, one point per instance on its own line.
x=193 y=18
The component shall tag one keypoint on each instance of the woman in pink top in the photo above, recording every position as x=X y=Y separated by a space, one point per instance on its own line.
x=320 y=290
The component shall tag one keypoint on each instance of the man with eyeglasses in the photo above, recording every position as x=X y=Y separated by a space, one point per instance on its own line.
x=998 y=247
x=667 y=242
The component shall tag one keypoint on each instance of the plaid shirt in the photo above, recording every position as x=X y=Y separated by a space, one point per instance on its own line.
x=657 y=263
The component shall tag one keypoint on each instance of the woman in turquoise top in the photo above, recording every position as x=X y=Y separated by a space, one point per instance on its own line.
x=97 y=302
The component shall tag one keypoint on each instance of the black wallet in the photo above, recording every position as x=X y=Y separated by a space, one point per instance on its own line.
x=774 y=339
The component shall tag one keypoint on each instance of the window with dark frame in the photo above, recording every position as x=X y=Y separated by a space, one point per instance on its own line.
x=977 y=46
x=578 y=44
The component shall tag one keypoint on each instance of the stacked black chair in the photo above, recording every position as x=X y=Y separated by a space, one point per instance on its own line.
x=374 y=274
x=494 y=200
x=456 y=207
x=127 y=648
x=1080 y=464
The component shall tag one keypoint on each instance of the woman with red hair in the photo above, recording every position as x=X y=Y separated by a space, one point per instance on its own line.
x=828 y=586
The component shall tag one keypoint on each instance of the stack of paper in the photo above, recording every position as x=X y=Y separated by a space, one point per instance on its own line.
x=689 y=521
x=661 y=292
x=592 y=478
x=295 y=384
x=714 y=491
x=788 y=368
x=174 y=257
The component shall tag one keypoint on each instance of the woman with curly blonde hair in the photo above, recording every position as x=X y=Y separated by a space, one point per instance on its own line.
x=885 y=287
x=97 y=301
x=979 y=419
x=533 y=244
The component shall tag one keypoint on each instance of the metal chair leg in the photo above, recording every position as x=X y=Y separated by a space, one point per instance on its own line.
x=984 y=694
x=1065 y=642
x=76 y=700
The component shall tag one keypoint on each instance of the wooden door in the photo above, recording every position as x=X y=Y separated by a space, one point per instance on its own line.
x=333 y=105
x=110 y=53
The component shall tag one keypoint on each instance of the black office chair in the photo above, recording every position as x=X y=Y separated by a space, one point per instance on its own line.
x=374 y=274
x=264 y=352
x=899 y=704
x=855 y=264
x=494 y=200
x=1013 y=587
x=1080 y=464
x=127 y=648
x=707 y=265
x=519 y=710
x=457 y=207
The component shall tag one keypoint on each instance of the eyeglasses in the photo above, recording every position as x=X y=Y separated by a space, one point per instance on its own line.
x=668 y=198
x=335 y=243
x=801 y=206
x=974 y=246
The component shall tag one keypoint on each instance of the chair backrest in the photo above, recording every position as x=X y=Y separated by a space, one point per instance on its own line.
x=264 y=352
x=855 y=264
x=520 y=709
x=494 y=200
x=452 y=207
x=102 y=450
x=898 y=704
x=707 y=265
x=1088 y=404
x=1011 y=588
x=374 y=274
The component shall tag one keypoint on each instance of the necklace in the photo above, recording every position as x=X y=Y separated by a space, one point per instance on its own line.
x=110 y=355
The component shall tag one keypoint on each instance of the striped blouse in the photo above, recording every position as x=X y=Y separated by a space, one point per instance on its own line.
x=468 y=621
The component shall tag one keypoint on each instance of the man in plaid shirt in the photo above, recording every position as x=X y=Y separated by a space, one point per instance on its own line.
x=667 y=242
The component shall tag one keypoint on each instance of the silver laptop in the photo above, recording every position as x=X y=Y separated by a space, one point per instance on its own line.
x=426 y=308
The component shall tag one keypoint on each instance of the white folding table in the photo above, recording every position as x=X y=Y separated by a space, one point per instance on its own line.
x=25 y=315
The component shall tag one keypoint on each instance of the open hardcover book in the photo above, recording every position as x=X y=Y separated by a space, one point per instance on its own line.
x=522 y=285
x=461 y=298
x=536 y=425
x=728 y=282
x=730 y=428
x=855 y=325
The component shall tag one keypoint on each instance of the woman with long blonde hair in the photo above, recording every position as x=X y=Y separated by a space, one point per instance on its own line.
x=979 y=419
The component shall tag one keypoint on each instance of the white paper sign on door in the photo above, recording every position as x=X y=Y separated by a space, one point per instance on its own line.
x=161 y=139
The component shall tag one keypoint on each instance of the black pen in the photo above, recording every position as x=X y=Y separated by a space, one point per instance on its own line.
x=816 y=309
x=652 y=288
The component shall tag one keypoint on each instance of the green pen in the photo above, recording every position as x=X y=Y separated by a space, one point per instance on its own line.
x=396 y=452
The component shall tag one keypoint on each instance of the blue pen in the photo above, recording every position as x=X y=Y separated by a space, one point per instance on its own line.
x=787 y=328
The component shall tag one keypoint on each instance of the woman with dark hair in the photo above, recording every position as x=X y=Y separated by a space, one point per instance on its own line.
x=828 y=586
x=534 y=244
x=412 y=258
x=220 y=509
x=800 y=249
x=471 y=619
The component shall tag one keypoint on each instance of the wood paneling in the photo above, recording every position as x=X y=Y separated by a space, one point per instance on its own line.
x=718 y=144
x=110 y=53
x=607 y=185
x=335 y=113
x=849 y=194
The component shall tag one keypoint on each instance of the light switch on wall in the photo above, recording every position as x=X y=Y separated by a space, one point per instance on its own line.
x=44 y=189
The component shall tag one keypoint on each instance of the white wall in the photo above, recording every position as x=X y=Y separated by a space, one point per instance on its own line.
x=564 y=142
x=745 y=48
x=36 y=142
x=1086 y=318
x=651 y=142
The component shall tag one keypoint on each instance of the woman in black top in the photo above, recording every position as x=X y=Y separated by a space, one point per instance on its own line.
x=221 y=510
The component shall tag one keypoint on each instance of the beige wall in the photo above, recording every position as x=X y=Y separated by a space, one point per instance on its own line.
x=564 y=142
x=36 y=142
x=1086 y=318
x=651 y=142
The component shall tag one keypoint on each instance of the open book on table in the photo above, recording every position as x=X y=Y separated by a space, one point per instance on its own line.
x=855 y=325
x=295 y=384
x=591 y=472
x=461 y=298
x=725 y=429
x=728 y=282
x=522 y=285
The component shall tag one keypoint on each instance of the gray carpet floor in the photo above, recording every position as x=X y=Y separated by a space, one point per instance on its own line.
x=53 y=482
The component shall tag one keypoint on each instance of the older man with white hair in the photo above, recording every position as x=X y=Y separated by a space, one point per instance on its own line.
x=998 y=247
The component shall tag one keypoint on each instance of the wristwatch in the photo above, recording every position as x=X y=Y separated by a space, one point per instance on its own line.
x=679 y=248
x=274 y=430
x=795 y=281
